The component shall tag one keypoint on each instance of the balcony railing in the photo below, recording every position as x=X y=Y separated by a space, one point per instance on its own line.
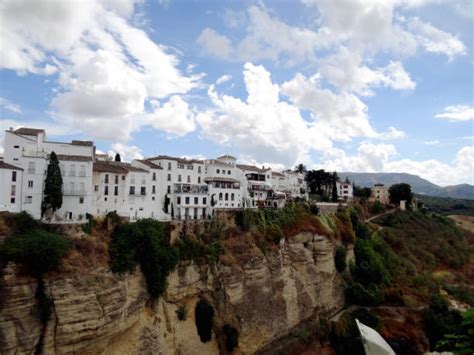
x=190 y=189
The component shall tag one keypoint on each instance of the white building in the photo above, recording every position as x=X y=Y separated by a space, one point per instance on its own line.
x=226 y=183
x=29 y=149
x=10 y=187
x=186 y=195
x=296 y=184
x=258 y=185
x=345 y=190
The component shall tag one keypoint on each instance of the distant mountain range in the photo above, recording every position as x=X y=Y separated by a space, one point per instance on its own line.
x=418 y=185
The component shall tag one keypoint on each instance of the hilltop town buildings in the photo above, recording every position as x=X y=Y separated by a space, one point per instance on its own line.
x=160 y=187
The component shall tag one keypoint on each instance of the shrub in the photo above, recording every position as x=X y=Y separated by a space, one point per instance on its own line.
x=439 y=320
x=204 y=317
x=145 y=243
x=462 y=340
x=24 y=222
x=190 y=248
x=231 y=337
x=369 y=295
x=377 y=207
x=340 y=258
x=37 y=250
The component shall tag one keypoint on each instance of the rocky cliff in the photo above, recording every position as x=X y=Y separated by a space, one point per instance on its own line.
x=264 y=296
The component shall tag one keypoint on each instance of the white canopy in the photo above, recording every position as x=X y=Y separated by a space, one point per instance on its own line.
x=373 y=342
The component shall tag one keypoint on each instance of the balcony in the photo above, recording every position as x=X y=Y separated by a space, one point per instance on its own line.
x=190 y=189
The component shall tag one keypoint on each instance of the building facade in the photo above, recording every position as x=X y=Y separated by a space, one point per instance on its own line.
x=161 y=187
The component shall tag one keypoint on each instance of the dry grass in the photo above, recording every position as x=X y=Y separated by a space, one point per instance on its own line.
x=464 y=222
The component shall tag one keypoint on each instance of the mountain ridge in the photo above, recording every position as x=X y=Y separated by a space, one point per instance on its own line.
x=419 y=185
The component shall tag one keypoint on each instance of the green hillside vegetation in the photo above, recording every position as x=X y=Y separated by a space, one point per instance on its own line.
x=447 y=205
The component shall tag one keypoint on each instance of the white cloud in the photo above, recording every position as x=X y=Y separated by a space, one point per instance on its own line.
x=263 y=128
x=214 y=43
x=457 y=113
x=10 y=106
x=378 y=158
x=127 y=152
x=174 y=116
x=222 y=79
x=435 y=40
x=108 y=69
x=392 y=133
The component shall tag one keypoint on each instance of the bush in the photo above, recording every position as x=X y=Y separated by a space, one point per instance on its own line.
x=369 y=295
x=190 y=248
x=37 y=250
x=439 y=320
x=145 y=243
x=204 y=317
x=377 y=207
x=340 y=258
x=231 y=337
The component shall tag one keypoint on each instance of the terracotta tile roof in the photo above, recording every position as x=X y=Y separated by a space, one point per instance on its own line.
x=150 y=164
x=251 y=168
x=83 y=143
x=115 y=167
x=179 y=160
x=28 y=131
x=66 y=157
x=4 y=165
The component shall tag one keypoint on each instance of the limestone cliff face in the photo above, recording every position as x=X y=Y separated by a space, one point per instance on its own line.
x=263 y=296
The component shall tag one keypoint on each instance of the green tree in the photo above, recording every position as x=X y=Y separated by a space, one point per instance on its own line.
x=335 y=179
x=118 y=158
x=53 y=194
x=399 y=192
x=300 y=168
x=462 y=340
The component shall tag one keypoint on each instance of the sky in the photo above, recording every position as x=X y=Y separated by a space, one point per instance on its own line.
x=345 y=85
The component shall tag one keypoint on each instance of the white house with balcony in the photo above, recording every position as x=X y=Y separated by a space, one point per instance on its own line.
x=258 y=185
x=345 y=190
x=10 y=187
x=226 y=183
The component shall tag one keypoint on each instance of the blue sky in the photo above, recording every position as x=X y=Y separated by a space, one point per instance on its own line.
x=347 y=85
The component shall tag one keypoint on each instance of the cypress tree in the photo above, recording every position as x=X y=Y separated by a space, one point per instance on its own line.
x=53 y=194
x=334 y=187
x=117 y=157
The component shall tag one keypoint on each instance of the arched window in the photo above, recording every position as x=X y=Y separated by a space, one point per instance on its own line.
x=220 y=196
x=226 y=196
x=232 y=197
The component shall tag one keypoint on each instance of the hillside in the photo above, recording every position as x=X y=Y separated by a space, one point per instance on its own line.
x=418 y=184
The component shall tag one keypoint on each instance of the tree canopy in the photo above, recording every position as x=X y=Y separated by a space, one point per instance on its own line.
x=118 y=158
x=321 y=182
x=400 y=192
x=53 y=194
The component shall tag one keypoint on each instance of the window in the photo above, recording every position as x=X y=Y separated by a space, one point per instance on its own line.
x=116 y=179
x=199 y=179
x=30 y=184
x=16 y=146
x=13 y=190
x=226 y=196
x=189 y=179
x=190 y=167
x=228 y=172
x=82 y=187
x=123 y=177
x=82 y=170
x=154 y=177
x=12 y=200
x=187 y=200
x=204 y=200
x=220 y=196
x=28 y=200
x=132 y=190
x=199 y=169
x=72 y=170
x=179 y=178
x=31 y=167
x=96 y=188
x=196 y=200
x=218 y=171
x=232 y=197
x=106 y=178
x=116 y=190
x=153 y=189
x=168 y=189
x=106 y=190
x=169 y=165
x=178 y=200
x=169 y=177
x=81 y=200
x=180 y=166
x=13 y=176
x=143 y=190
